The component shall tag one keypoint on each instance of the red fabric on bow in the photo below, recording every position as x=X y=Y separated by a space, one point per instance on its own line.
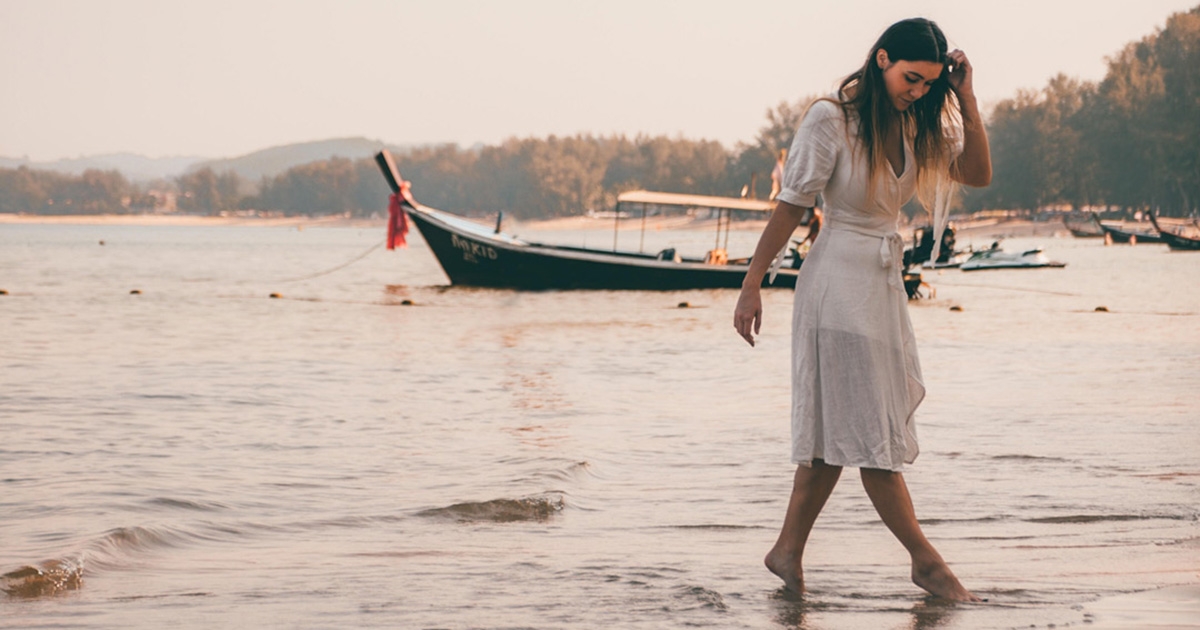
x=397 y=222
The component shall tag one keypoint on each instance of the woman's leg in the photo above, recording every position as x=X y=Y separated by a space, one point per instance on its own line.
x=810 y=489
x=890 y=496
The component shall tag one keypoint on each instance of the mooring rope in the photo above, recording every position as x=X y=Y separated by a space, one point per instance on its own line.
x=339 y=267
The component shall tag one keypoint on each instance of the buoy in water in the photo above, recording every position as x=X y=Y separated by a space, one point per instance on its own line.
x=101 y=241
x=135 y=292
x=956 y=308
x=683 y=305
x=3 y=292
x=1101 y=309
x=275 y=296
x=406 y=302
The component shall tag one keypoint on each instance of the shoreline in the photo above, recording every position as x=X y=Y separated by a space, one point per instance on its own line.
x=187 y=220
x=971 y=229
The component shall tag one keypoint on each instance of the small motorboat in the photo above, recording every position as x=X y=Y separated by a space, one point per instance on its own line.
x=996 y=258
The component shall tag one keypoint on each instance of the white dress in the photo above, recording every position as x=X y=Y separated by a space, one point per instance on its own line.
x=856 y=376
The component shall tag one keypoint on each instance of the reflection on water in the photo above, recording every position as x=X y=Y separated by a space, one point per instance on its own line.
x=478 y=458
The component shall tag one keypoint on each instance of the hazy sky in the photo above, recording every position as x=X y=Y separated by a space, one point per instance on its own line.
x=220 y=78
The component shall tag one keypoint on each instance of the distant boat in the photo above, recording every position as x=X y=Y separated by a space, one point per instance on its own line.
x=1175 y=241
x=921 y=250
x=476 y=255
x=1121 y=235
x=1083 y=228
x=997 y=258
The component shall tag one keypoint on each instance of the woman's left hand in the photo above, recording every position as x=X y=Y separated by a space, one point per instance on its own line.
x=961 y=73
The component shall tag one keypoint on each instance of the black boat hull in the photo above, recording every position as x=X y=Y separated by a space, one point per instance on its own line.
x=1122 y=236
x=1181 y=243
x=471 y=259
x=1175 y=241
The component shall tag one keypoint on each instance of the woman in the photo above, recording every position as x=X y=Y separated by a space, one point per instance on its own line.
x=889 y=132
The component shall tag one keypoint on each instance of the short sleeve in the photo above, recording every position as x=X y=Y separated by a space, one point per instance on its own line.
x=954 y=142
x=813 y=154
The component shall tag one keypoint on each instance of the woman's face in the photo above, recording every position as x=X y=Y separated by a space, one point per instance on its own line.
x=907 y=81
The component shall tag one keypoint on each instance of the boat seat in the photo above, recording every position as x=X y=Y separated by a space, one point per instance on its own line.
x=669 y=254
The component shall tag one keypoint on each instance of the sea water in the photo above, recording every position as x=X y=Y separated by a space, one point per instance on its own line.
x=373 y=448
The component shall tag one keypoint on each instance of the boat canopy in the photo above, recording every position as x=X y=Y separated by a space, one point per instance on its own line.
x=693 y=201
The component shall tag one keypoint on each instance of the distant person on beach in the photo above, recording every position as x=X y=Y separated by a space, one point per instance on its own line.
x=905 y=122
x=777 y=174
x=814 y=226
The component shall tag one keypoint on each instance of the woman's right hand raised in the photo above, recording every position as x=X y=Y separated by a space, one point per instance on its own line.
x=747 y=317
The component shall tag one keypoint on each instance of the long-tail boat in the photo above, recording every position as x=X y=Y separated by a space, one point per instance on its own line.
x=1121 y=235
x=473 y=254
x=1175 y=241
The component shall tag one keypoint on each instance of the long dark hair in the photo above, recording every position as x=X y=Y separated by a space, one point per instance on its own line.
x=863 y=96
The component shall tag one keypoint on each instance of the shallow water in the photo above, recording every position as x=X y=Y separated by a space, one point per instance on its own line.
x=201 y=455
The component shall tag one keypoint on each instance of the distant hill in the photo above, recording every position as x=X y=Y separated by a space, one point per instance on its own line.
x=275 y=160
x=136 y=168
x=251 y=167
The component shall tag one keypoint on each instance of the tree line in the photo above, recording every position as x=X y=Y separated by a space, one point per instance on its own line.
x=1129 y=141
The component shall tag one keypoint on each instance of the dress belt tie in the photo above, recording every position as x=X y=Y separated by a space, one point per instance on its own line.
x=891 y=252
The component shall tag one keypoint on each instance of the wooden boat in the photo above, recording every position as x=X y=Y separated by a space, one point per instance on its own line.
x=475 y=255
x=1175 y=241
x=1121 y=235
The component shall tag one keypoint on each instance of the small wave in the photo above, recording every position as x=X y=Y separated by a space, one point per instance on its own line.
x=51 y=578
x=1193 y=542
x=1104 y=518
x=184 y=504
x=1169 y=476
x=704 y=598
x=112 y=550
x=1033 y=458
x=571 y=472
x=717 y=526
x=944 y=521
x=499 y=510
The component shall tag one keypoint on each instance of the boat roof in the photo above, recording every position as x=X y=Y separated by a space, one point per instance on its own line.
x=694 y=201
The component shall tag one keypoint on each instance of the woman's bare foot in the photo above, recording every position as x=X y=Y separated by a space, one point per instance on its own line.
x=787 y=567
x=938 y=579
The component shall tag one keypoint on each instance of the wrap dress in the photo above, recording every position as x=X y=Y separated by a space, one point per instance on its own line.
x=856 y=378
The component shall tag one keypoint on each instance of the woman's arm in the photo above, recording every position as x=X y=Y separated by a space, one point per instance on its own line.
x=973 y=166
x=747 y=317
